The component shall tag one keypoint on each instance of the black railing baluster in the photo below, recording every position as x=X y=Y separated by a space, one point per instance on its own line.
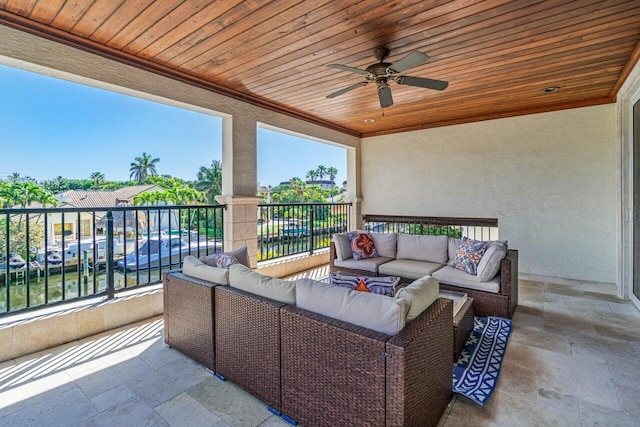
x=64 y=262
x=7 y=272
x=110 y=261
x=46 y=258
x=79 y=252
x=28 y=260
x=124 y=249
x=137 y=247
x=96 y=255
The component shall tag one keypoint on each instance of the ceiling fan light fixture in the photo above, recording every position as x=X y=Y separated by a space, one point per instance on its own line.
x=551 y=89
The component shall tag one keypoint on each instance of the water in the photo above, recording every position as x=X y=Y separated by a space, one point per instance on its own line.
x=49 y=291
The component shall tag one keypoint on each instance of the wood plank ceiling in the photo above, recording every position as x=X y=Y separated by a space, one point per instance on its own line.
x=498 y=55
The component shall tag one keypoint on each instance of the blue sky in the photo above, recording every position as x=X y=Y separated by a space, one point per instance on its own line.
x=51 y=127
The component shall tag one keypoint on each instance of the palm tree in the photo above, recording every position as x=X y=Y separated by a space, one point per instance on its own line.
x=312 y=175
x=97 y=178
x=298 y=186
x=321 y=171
x=14 y=178
x=143 y=167
x=332 y=172
x=210 y=180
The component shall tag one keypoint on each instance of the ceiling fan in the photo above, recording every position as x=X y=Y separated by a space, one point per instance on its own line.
x=381 y=72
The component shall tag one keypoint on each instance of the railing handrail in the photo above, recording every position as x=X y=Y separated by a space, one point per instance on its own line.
x=304 y=204
x=437 y=220
x=17 y=211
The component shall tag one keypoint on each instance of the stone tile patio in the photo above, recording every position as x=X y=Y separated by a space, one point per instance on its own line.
x=573 y=360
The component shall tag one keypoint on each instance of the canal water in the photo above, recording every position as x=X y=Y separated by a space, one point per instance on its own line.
x=41 y=291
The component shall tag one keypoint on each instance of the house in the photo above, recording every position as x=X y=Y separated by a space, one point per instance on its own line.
x=91 y=199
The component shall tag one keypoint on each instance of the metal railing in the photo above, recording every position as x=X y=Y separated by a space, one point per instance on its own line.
x=473 y=228
x=53 y=255
x=288 y=229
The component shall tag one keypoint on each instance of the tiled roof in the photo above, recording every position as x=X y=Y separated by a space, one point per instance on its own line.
x=103 y=198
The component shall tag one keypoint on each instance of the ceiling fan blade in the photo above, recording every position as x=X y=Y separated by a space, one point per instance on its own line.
x=349 y=69
x=347 y=89
x=384 y=93
x=412 y=60
x=422 y=82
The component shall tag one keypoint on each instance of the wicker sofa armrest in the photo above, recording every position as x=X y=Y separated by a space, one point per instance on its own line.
x=188 y=316
x=509 y=277
x=419 y=368
x=333 y=372
x=247 y=342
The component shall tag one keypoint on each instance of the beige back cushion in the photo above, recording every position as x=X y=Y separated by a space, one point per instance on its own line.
x=343 y=247
x=490 y=262
x=192 y=266
x=386 y=243
x=243 y=278
x=420 y=294
x=378 y=312
x=423 y=248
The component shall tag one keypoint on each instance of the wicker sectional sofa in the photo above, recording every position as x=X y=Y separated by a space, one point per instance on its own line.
x=413 y=256
x=312 y=368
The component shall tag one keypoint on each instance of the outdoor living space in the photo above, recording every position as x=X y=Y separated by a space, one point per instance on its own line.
x=573 y=359
x=524 y=115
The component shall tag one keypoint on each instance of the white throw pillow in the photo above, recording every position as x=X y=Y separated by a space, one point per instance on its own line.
x=192 y=266
x=420 y=294
x=243 y=278
x=490 y=262
x=378 y=312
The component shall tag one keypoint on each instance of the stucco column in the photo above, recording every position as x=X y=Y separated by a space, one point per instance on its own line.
x=353 y=189
x=239 y=184
x=240 y=224
x=355 y=217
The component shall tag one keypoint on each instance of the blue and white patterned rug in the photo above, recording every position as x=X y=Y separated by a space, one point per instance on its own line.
x=475 y=374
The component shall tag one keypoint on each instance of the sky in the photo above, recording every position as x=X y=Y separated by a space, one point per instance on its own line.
x=51 y=127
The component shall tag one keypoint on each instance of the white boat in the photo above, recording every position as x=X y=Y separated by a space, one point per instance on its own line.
x=74 y=253
x=166 y=251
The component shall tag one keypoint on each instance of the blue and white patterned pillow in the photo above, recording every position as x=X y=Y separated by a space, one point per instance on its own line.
x=468 y=255
x=376 y=285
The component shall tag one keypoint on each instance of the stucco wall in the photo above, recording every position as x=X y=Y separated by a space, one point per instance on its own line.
x=549 y=178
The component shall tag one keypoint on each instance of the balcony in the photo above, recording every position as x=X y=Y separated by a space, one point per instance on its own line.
x=573 y=359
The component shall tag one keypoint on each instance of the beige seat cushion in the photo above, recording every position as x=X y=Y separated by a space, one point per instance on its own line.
x=410 y=269
x=420 y=294
x=243 y=278
x=378 y=312
x=192 y=266
x=452 y=276
x=367 y=264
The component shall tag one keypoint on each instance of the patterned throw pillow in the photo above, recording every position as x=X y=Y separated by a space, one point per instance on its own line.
x=468 y=255
x=376 y=285
x=220 y=260
x=362 y=246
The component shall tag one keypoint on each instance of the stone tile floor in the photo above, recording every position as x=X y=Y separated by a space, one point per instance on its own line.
x=573 y=360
